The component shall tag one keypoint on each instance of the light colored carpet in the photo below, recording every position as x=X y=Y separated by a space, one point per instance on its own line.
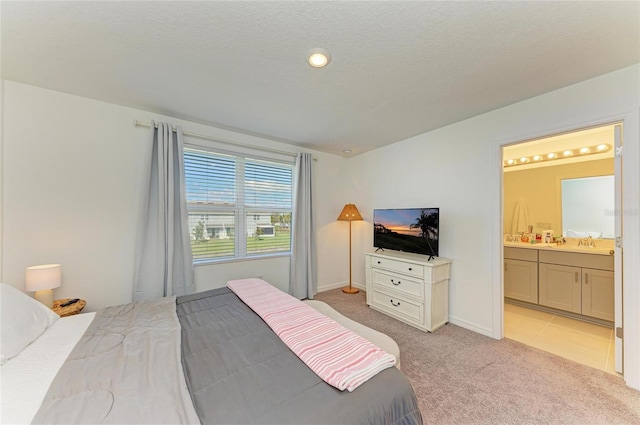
x=461 y=377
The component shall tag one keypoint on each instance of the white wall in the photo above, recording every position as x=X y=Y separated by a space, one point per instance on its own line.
x=74 y=171
x=458 y=169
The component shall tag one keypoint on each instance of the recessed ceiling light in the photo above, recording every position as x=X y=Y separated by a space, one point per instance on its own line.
x=551 y=155
x=602 y=147
x=318 y=57
x=537 y=158
x=346 y=151
x=567 y=153
x=584 y=150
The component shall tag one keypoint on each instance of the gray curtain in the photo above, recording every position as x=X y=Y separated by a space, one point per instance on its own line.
x=165 y=261
x=302 y=274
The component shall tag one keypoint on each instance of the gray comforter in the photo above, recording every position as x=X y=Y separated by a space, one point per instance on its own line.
x=124 y=370
x=127 y=369
x=239 y=372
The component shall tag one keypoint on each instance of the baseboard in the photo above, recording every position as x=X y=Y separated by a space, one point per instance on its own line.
x=453 y=320
x=471 y=326
x=570 y=315
x=338 y=285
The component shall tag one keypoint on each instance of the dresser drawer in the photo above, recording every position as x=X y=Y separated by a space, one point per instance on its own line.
x=398 y=266
x=398 y=306
x=399 y=283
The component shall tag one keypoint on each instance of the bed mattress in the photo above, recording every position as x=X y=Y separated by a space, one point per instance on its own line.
x=206 y=358
x=239 y=371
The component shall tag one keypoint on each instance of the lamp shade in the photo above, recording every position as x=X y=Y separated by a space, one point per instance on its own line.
x=47 y=276
x=350 y=213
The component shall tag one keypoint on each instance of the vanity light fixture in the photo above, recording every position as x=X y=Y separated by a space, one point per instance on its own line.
x=552 y=156
x=318 y=57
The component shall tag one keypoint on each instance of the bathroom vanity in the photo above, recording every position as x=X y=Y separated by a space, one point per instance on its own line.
x=579 y=280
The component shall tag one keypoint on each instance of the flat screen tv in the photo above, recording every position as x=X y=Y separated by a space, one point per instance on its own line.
x=408 y=229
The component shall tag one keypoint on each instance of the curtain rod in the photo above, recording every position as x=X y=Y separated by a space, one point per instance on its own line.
x=216 y=139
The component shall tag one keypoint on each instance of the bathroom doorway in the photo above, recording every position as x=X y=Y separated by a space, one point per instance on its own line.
x=562 y=277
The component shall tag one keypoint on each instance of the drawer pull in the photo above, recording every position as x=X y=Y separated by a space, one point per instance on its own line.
x=410 y=269
x=379 y=262
x=394 y=304
x=392 y=281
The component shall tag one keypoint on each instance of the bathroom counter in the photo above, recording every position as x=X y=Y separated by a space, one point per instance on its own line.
x=605 y=249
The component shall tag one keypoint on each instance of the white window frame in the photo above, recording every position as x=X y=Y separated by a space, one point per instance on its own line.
x=240 y=210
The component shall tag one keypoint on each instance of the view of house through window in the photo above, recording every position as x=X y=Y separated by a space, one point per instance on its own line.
x=238 y=206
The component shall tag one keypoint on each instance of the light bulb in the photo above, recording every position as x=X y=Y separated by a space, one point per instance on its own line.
x=318 y=57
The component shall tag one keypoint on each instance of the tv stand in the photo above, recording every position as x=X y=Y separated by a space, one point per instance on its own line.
x=412 y=288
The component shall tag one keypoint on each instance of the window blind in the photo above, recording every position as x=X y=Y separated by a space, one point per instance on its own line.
x=238 y=206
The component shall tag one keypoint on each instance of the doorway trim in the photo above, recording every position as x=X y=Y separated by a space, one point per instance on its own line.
x=631 y=232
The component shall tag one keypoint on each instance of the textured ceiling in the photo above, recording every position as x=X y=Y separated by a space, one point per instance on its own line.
x=398 y=68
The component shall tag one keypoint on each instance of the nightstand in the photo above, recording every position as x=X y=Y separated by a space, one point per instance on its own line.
x=69 y=310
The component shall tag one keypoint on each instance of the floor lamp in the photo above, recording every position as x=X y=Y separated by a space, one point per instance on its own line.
x=350 y=213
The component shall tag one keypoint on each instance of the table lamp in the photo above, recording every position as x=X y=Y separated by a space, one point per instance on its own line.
x=350 y=213
x=42 y=279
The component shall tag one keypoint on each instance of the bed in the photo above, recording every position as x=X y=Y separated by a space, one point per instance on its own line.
x=226 y=367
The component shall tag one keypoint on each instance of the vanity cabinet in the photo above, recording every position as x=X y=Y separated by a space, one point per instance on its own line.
x=409 y=288
x=579 y=283
x=598 y=294
x=521 y=274
x=561 y=287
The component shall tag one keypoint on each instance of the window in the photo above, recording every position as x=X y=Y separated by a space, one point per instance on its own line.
x=238 y=206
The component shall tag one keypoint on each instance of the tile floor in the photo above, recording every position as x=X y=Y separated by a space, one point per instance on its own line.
x=582 y=342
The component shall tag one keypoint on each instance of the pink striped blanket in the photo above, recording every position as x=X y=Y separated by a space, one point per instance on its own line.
x=338 y=356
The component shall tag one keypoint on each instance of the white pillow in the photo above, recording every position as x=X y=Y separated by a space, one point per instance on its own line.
x=23 y=320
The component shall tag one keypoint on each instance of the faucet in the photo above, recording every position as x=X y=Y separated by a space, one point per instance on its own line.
x=587 y=242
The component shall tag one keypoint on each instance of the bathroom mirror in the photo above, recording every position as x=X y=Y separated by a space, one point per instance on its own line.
x=588 y=207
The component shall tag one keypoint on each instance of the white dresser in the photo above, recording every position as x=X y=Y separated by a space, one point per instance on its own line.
x=409 y=288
